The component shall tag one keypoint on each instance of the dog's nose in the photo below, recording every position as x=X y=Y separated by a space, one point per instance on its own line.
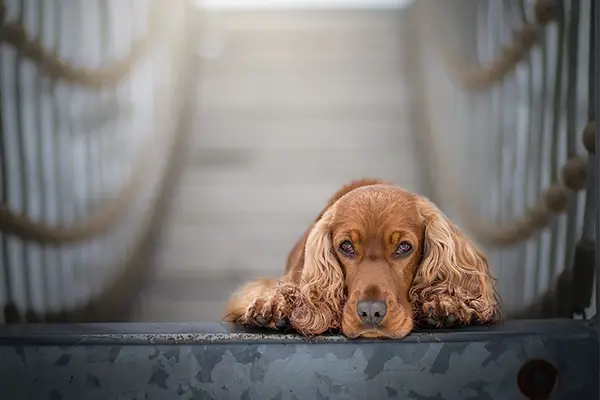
x=371 y=312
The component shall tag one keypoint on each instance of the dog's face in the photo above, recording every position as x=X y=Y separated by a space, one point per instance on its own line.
x=381 y=257
x=377 y=235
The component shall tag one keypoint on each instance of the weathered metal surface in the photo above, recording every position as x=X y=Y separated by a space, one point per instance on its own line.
x=216 y=361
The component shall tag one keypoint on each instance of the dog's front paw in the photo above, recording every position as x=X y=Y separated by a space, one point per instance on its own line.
x=443 y=311
x=272 y=310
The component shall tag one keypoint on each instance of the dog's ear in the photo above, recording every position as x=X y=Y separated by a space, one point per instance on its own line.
x=453 y=267
x=321 y=296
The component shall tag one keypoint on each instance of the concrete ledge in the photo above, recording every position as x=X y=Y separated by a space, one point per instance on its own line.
x=218 y=361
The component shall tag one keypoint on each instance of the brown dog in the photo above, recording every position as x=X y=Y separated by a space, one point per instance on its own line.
x=377 y=261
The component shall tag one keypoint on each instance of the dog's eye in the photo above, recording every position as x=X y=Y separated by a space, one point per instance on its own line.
x=403 y=249
x=347 y=248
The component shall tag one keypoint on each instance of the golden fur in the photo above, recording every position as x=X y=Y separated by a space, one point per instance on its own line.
x=443 y=281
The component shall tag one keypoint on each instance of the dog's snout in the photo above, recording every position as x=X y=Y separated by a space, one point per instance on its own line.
x=371 y=312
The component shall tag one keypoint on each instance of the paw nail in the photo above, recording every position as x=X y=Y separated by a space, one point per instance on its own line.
x=261 y=321
x=282 y=323
x=334 y=331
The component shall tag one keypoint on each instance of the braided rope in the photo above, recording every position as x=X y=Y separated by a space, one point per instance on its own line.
x=554 y=200
x=15 y=34
x=589 y=137
x=19 y=225
x=482 y=77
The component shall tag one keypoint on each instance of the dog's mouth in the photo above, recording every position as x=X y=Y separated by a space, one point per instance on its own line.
x=390 y=328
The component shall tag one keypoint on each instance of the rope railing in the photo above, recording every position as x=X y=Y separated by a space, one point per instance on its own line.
x=589 y=137
x=25 y=228
x=515 y=163
x=555 y=199
x=20 y=225
x=79 y=213
x=477 y=77
x=16 y=35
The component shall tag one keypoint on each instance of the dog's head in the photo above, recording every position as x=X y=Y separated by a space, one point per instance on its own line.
x=375 y=254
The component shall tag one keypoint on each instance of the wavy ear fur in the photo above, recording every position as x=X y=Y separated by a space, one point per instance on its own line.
x=453 y=272
x=321 y=286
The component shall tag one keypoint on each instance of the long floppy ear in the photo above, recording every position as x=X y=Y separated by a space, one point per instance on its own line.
x=321 y=287
x=454 y=274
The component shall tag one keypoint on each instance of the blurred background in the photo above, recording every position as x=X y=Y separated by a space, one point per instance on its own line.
x=156 y=154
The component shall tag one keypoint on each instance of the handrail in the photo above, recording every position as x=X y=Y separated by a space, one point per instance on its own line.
x=15 y=34
x=17 y=224
x=477 y=77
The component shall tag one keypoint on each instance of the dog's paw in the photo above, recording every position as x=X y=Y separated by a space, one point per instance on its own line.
x=272 y=310
x=441 y=311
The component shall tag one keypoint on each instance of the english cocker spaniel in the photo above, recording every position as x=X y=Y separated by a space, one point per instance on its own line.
x=377 y=262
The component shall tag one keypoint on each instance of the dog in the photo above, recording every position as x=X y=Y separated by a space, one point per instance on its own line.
x=377 y=262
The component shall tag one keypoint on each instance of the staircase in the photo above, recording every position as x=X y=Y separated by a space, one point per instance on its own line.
x=291 y=105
